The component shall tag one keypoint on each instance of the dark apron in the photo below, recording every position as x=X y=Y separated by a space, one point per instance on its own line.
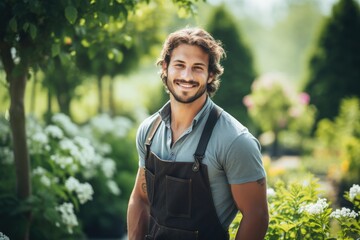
x=181 y=203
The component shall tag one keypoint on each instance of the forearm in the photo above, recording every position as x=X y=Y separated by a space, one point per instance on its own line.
x=137 y=219
x=253 y=227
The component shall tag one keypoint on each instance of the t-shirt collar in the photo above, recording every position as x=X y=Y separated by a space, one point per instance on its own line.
x=165 y=111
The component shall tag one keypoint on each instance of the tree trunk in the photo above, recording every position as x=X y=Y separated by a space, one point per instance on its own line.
x=275 y=145
x=100 y=95
x=49 y=112
x=16 y=76
x=64 y=101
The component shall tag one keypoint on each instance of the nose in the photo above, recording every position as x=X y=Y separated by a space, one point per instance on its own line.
x=186 y=74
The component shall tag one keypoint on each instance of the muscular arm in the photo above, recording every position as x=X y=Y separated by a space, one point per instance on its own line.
x=138 y=209
x=251 y=200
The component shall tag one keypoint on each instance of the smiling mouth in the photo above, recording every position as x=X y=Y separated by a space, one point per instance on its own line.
x=186 y=84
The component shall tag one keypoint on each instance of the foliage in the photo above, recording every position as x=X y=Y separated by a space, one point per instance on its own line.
x=71 y=165
x=239 y=71
x=276 y=108
x=34 y=32
x=340 y=139
x=333 y=68
x=297 y=212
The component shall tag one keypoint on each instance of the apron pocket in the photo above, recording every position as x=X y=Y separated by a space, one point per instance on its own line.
x=159 y=232
x=178 y=197
x=166 y=233
x=150 y=180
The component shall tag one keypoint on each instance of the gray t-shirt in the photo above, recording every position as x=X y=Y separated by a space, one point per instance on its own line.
x=232 y=155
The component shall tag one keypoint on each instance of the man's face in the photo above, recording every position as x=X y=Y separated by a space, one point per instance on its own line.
x=187 y=73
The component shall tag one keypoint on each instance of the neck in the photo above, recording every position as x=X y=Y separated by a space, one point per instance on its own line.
x=182 y=114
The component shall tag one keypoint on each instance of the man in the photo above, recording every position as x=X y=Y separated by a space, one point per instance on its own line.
x=198 y=165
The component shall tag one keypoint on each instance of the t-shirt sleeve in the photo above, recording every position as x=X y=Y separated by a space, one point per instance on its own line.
x=243 y=162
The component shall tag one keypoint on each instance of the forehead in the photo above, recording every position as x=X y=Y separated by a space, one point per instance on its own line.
x=189 y=53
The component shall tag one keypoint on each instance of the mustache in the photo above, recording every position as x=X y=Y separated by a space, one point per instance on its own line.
x=187 y=82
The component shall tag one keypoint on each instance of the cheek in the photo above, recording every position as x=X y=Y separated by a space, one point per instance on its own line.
x=171 y=72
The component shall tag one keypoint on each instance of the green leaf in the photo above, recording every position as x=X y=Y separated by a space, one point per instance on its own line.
x=55 y=49
x=13 y=24
x=26 y=26
x=51 y=214
x=71 y=14
x=32 y=30
x=64 y=58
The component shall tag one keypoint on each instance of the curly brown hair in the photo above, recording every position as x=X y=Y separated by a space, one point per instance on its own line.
x=196 y=37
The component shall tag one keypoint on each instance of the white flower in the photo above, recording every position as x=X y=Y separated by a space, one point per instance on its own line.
x=113 y=187
x=39 y=171
x=354 y=191
x=315 y=208
x=3 y=236
x=84 y=191
x=104 y=148
x=62 y=161
x=40 y=138
x=65 y=123
x=86 y=152
x=68 y=145
x=32 y=125
x=45 y=180
x=122 y=126
x=104 y=124
x=344 y=212
x=72 y=184
x=67 y=216
x=108 y=166
x=54 y=131
x=270 y=192
x=38 y=141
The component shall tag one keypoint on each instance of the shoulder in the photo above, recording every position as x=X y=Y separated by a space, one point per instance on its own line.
x=232 y=136
x=145 y=126
x=229 y=128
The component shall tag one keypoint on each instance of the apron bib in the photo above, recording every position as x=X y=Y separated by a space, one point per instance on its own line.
x=181 y=203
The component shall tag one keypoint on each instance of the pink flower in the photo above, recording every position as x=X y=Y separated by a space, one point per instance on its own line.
x=248 y=102
x=295 y=112
x=304 y=98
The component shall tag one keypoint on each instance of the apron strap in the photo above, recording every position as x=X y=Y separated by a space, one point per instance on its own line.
x=205 y=136
x=155 y=125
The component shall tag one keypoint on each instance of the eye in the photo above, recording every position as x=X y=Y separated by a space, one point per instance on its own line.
x=179 y=65
x=198 y=68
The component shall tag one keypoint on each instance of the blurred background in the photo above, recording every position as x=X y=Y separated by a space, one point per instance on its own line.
x=84 y=75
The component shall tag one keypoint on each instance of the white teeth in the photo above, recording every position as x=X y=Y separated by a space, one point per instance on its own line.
x=186 y=85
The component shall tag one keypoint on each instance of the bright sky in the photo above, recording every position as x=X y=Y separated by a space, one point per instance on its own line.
x=265 y=8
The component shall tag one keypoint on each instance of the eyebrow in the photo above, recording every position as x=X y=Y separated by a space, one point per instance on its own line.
x=196 y=64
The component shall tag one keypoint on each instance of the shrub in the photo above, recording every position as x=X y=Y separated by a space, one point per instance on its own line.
x=278 y=109
x=72 y=166
x=297 y=212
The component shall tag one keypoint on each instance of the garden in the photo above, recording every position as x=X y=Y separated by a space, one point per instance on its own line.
x=78 y=77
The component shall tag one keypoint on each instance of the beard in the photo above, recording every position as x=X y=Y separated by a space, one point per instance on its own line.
x=186 y=97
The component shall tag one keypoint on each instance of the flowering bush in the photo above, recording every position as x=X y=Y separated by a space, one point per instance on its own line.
x=340 y=140
x=279 y=111
x=69 y=165
x=297 y=212
x=3 y=237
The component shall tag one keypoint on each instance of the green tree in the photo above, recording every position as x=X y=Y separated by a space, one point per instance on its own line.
x=239 y=71
x=32 y=32
x=334 y=71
